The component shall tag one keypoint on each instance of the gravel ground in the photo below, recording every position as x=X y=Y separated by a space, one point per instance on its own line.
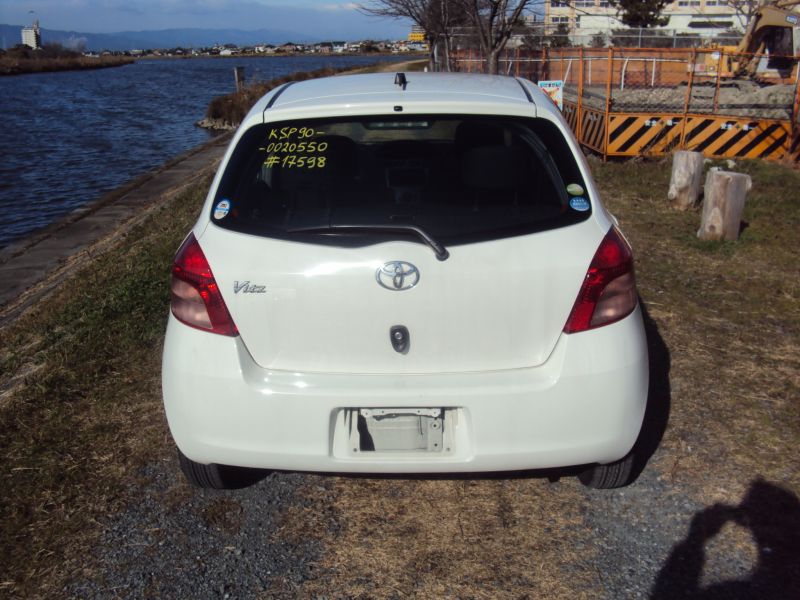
x=740 y=98
x=654 y=543
x=634 y=530
x=646 y=541
x=181 y=542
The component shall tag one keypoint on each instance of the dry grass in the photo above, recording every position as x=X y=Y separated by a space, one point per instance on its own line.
x=438 y=538
x=730 y=317
x=75 y=429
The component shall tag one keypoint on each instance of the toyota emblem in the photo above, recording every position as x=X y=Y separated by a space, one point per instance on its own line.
x=397 y=275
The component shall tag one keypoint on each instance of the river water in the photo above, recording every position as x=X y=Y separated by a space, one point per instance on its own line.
x=67 y=138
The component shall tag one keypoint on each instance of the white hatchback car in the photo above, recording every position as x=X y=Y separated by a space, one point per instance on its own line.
x=404 y=274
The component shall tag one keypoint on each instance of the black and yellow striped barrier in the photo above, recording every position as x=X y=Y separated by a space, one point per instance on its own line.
x=593 y=129
x=570 y=113
x=731 y=137
x=643 y=134
x=657 y=134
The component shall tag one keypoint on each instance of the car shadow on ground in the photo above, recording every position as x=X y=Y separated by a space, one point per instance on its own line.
x=772 y=515
x=659 y=395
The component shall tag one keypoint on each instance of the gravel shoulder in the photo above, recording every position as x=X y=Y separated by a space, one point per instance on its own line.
x=177 y=542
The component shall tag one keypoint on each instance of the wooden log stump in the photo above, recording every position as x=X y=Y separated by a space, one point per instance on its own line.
x=723 y=204
x=687 y=176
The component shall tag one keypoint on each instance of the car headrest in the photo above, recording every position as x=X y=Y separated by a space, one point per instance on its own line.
x=470 y=134
x=493 y=167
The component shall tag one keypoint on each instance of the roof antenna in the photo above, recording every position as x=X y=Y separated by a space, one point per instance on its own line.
x=400 y=79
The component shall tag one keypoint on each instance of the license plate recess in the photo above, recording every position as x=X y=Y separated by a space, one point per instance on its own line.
x=399 y=430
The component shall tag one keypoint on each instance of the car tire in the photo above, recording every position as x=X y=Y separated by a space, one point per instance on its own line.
x=218 y=477
x=613 y=475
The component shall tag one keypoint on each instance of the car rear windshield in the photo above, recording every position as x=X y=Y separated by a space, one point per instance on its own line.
x=460 y=179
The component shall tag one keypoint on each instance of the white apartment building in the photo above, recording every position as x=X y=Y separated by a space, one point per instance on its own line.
x=32 y=36
x=589 y=17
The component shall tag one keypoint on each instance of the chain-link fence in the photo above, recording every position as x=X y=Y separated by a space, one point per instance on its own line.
x=537 y=37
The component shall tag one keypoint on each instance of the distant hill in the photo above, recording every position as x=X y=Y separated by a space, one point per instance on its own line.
x=165 y=38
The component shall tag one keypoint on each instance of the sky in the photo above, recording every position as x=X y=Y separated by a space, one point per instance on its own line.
x=109 y=16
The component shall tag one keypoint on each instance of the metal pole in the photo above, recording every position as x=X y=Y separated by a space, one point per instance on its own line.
x=622 y=74
x=719 y=76
x=544 y=75
x=608 y=100
x=688 y=98
x=238 y=77
x=795 y=126
x=579 y=126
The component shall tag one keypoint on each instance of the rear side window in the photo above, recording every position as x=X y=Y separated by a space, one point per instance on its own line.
x=459 y=178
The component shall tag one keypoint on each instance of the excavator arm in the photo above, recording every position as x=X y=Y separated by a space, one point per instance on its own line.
x=769 y=29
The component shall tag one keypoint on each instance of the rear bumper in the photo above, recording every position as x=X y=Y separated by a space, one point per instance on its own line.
x=584 y=405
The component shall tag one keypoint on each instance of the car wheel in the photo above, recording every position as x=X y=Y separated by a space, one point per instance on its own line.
x=612 y=475
x=218 y=477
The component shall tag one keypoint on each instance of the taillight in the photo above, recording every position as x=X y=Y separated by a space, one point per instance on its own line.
x=196 y=299
x=608 y=293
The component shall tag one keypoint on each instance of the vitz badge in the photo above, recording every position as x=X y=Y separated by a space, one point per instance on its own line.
x=248 y=288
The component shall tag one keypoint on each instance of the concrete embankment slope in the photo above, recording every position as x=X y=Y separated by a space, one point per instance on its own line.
x=34 y=266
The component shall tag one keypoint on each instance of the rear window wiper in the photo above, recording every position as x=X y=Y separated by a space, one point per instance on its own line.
x=439 y=250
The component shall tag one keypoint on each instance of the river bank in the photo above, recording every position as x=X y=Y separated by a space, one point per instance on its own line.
x=34 y=266
x=23 y=66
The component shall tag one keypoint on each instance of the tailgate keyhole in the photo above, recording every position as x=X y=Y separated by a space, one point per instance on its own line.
x=400 y=339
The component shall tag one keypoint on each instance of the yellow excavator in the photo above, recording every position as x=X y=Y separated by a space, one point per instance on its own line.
x=770 y=30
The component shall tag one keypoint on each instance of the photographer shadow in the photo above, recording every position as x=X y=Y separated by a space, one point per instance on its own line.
x=772 y=514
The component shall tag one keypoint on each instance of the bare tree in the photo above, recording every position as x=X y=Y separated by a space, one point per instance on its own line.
x=744 y=9
x=494 y=21
x=434 y=17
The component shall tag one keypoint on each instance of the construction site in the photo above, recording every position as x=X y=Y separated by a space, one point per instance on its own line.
x=724 y=101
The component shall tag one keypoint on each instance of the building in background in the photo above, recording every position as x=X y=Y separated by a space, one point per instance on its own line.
x=417 y=34
x=32 y=36
x=590 y=17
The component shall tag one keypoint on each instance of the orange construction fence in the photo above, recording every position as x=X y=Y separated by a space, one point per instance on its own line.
x=652 y=101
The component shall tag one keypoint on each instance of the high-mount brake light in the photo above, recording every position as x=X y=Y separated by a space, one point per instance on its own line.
x=196 y=299
x=608 y=293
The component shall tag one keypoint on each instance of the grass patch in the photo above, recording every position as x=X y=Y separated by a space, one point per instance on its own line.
x=18 y=66
x=89 y=413
x=730 y=314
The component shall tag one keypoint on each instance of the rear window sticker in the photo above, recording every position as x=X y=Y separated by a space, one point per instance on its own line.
x=579 y=203
x=575 y=189
x=222 y=208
